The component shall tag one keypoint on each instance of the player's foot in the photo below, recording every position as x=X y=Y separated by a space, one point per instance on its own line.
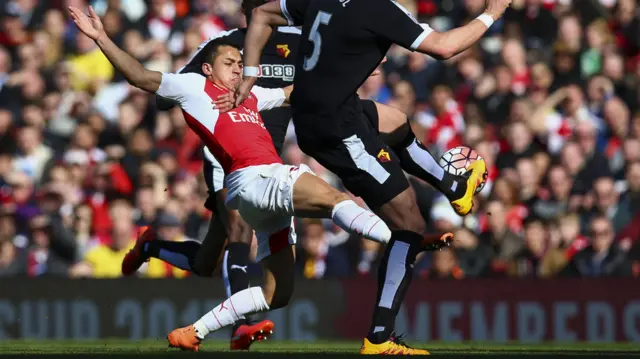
x=436 y=242
x=390 y=347
x=476 y=175
x=245 y=335
x=135 y=258
x=184 y=338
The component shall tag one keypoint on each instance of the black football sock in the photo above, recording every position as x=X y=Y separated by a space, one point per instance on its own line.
x=179 y=254
x=394 y=277
x=234 y=272
x=416 y=159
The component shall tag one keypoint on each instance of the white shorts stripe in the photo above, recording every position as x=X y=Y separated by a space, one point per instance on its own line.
x=218 y=172
x=363 y=160
x=285 y=12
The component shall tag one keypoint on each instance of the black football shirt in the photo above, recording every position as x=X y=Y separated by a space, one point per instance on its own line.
x=277 y=63
x=342 y=42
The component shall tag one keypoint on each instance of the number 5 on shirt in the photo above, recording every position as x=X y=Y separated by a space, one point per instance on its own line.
x=314 y=36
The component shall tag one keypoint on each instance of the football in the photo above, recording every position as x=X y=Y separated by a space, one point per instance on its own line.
x=456 y=161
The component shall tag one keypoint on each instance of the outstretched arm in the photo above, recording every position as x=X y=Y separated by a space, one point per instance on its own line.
x=263 y=19
x=131 y=68
x=444 y=45
x=390 y=20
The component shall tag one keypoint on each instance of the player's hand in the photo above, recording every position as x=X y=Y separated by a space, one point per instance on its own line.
x=496 y=8
x=377 y=71
x=224 y=102
x=90 y=25
x=243 y=91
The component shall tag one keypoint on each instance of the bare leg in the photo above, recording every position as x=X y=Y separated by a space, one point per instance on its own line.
x=315 y=198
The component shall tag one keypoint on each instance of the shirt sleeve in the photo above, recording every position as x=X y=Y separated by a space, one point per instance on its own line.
x=391 y=20
x=176 y=87
x=294 y=11
x=268 y=98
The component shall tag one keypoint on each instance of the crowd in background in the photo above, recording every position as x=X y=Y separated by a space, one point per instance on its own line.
x=550 y=97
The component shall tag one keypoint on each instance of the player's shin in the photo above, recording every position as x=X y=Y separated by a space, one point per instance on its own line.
x=355 y=219
x=416 y=159
x=394 y=276
x=234 y=271
x=236 y=307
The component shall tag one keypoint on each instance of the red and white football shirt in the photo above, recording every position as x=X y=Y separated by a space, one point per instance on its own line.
x=237 y=138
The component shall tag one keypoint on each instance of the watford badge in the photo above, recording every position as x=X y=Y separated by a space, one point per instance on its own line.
x=283 y=50
x=383 y=156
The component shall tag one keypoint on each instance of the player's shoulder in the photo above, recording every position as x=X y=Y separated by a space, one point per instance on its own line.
x=184 y=79
x=237 y=34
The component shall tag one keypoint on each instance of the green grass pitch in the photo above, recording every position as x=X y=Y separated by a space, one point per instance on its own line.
x=334 y=347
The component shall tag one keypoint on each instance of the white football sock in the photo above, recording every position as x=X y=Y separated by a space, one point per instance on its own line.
x=355 y=219
x=245 y=302
x=423 y=158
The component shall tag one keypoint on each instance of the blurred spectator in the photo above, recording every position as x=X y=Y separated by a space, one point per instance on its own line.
x=322 y=256
x=504 y=242
x=603 y=257
x=9 y=252
x=533 y=260
x=445 y=266
x=90 y=69
x=474 y=257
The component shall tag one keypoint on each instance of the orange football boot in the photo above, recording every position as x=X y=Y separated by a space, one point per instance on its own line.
x=135 y=258
x=185 y=339
x=435 y=242
x=245 y=335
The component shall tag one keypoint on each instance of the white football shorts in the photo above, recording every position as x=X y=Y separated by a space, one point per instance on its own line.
x=264 y=197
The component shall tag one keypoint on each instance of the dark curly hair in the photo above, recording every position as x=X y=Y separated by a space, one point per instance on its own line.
x=210 y=50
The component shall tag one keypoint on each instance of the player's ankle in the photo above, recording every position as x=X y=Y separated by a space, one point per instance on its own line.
x=377 y=338
x=453 y=187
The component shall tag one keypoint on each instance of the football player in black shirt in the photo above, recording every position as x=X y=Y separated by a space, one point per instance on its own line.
x=342 y=42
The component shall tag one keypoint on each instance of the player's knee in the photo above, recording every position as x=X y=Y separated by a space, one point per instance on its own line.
x=203 y=268
x=239 y=231
x=402 y=213
x=408 y=221
x=393 y=124
x=325 y=198
x=415 y=223
x=337 y=197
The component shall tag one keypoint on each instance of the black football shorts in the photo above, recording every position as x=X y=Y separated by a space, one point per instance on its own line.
x=346 y=142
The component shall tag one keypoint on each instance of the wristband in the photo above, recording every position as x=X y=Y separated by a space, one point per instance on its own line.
x=486 y=19
x=250 y=71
